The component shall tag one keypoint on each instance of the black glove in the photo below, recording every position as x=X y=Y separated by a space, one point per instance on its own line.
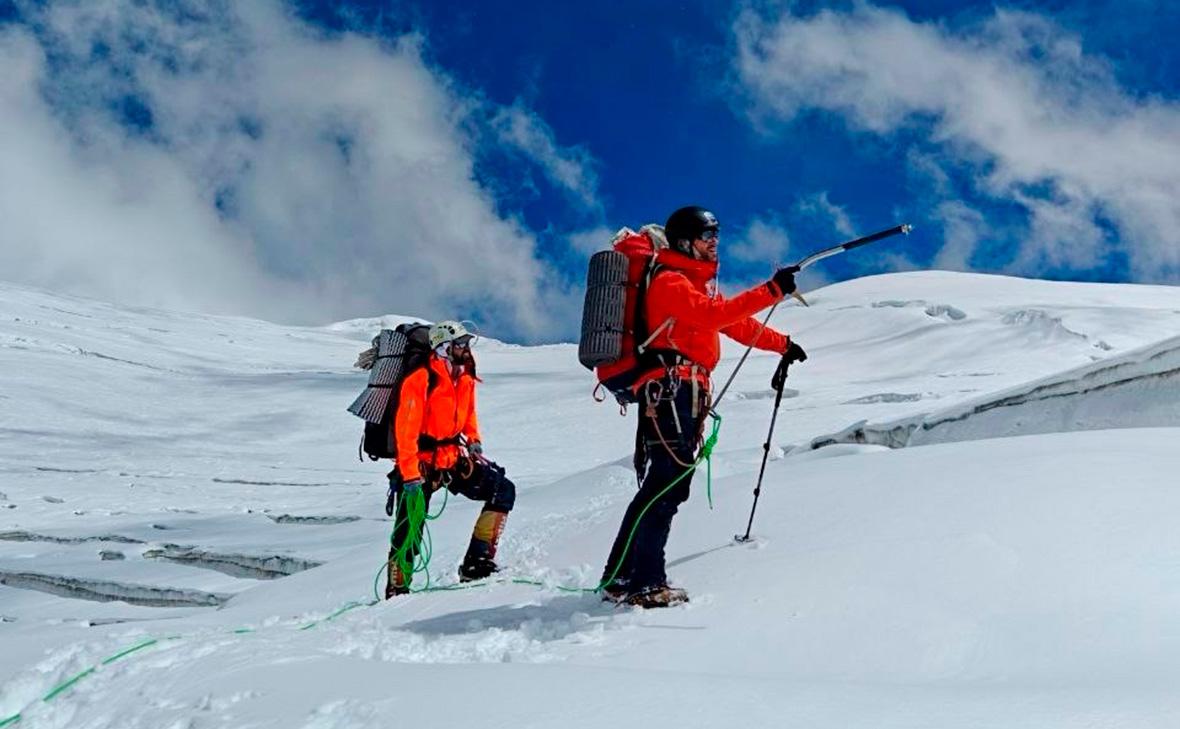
x=395 y=485
x=793 y=354
x=784 y=279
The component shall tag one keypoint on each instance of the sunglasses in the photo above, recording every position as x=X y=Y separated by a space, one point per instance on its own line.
x=462 y=343
x=709 y=236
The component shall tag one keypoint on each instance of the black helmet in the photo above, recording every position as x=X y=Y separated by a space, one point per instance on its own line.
x=686 y=225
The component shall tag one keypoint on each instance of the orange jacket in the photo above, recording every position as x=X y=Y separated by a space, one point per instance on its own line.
x=680 y=291
x=444 y=412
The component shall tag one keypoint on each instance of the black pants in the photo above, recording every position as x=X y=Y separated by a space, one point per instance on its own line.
x=656 y=459
x=483 y=481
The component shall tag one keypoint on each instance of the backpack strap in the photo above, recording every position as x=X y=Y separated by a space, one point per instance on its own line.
x=642 y=337
x=647 y=357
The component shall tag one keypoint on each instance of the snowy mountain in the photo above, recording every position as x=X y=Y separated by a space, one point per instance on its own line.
x=182 y=511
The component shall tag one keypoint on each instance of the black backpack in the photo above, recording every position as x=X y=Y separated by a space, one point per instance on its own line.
x=394 y=355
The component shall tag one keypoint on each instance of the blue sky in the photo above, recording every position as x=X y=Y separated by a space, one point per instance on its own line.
x=648 y=92
x=315 y=161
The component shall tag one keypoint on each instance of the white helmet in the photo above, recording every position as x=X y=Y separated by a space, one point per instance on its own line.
x=447 y=331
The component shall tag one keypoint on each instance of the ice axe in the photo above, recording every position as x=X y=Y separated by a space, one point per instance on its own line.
x=779 y=384
x=902 y=229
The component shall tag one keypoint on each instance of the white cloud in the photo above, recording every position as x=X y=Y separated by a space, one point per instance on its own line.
x=287 y=173
x=588 y=242
x=1015 y=100
x=1062 y=232
x=818 y=205
x=570 y=168
x=962 y=228
x=764 y=245
x=764 y=241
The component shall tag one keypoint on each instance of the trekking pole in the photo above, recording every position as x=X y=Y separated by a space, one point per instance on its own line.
x=903 y=229
x=778 y=398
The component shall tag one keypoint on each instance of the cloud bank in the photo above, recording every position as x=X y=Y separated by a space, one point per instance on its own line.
x=1014 y=102
x=227 y=157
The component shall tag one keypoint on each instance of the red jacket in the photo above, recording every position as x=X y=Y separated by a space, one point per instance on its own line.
x=441 y=413
x=681 y=291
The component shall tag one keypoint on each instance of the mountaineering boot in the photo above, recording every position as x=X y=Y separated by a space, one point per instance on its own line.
x=476 y=569
x=392 y=591
x=397 y=583
x=657 y=597
x=481 y=552
x=615 y=591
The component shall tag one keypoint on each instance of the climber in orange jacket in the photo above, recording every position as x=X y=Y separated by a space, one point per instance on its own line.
x=436 y=428
x=685 y=316
x=436 y=410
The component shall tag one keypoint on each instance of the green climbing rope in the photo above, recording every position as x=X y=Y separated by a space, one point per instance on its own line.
x=69 y=682
x=706 y=454
x=417 y=517
x=422 y=563
x=417 y=532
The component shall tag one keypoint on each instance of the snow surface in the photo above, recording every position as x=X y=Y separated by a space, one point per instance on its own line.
x=178 y=477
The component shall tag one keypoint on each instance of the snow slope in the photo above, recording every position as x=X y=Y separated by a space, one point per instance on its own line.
x=1023 y=581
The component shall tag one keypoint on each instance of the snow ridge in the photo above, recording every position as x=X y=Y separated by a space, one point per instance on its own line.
x=1140 y=388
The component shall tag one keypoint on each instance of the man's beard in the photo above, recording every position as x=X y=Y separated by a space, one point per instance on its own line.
x=461 y=358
